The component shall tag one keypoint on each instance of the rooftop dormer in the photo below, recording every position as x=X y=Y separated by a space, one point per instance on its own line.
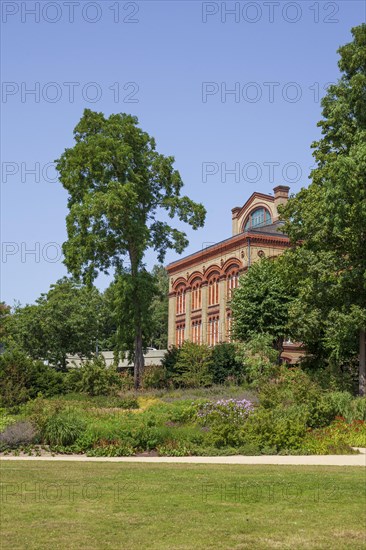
x=259 y=210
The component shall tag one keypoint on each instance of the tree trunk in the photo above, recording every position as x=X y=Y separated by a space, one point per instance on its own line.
x=279 y=348
x=362 y=363
x=139 y=358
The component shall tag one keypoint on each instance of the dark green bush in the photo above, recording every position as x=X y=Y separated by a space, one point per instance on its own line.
x=94 y=378
x=22 y=378
x=169 y=362
x=154 y=377
x=127 y=403
x=63 y=429
x=290 y=387
x=293 y=386
x=258 y=359
x=280 y=429
x=224 y=364
x=193 y=366
x=340 y=378
x=344 y=404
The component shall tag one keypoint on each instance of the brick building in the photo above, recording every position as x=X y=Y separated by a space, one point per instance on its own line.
x=201 y=284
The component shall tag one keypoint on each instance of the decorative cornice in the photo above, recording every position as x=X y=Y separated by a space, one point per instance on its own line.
x=226 y=246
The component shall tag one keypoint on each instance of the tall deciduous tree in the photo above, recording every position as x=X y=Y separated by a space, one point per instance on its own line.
x=261 y=303
x=120 y=188
x=329 y=217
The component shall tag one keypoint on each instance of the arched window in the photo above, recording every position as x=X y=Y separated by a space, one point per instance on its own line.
x=181 y=300
x=196 y=331
x=179 y=338
x=213 y=290
x=196 y=295
x=232 y=282
x=213 y=333
x=259 y=216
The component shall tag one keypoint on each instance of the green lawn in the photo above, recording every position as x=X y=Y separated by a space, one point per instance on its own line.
x=126 y=506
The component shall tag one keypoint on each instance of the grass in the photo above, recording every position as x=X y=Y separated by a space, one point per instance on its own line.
x=127 y=506
x=217 y=391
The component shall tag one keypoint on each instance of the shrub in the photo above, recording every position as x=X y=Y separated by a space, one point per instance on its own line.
x=225 y=421
x=126 y=379
x=127 y=403
x=22 y=378
x=19 y=433
x=232 y=411
x=224 y=364
x=111 y=450
x=5 y=419
x=169 y=362
x=193 y=366
x=291 y=386
x=174 y=448
x=343 y=404
x=340 y=378
x=154 y=377
x=357 y=409
x=338 y=438
x=258 y=359
x=95 y=378
x=63 y=429
x=281 y=429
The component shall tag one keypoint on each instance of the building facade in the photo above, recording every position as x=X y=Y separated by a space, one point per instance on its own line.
x=201 y=284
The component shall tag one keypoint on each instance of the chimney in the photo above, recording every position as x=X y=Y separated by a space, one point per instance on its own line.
x=234 y=217
x=280 y=195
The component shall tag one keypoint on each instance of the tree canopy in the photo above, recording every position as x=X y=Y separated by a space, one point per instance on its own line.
x=329 y=217
x=71 y=319
x=260 y=304
x=121 y=190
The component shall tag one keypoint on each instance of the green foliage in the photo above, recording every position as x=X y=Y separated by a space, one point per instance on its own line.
x=292 y=387
x=193 y=366
x=293 y=416
x=126 y=380
x=111 y=450
x=261 y=303
x=281 y=429
x=4 y=323
x=124 y=292
x=225 y=421
x=63 y=428
x=329 y=217
x=169 y=362
x=5 y=419
x=159 y=309
x=22 y=378
x=343 y=404
x=127 y=403
x=331 y=377
x=118 y=184
x=154 y=377
x=258 y=359
x=224 y=364
x=69 y=319
x=93 y=377
x=338 y=438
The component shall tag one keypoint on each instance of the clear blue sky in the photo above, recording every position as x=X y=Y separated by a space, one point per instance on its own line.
x=280 y=54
